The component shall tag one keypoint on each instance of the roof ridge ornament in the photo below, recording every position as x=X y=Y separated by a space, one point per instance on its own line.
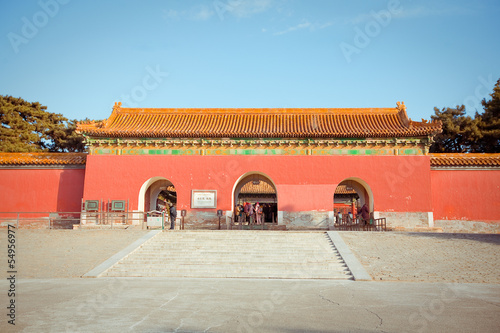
x=117 y=106
x=401 y=106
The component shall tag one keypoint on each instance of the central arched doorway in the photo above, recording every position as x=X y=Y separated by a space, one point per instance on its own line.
x=256 y=187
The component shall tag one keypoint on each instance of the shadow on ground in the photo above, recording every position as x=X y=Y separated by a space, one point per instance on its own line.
x=485 y=238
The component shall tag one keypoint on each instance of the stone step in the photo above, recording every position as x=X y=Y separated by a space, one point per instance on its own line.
x=300 y=260
x=238 y=274
x=228 y=265
x=228 y=250
x=278 y=275
x=275 y=244
x=248 y=245
x=304 y=240
x=256 y=237
x=237 y=241
x=234 y=273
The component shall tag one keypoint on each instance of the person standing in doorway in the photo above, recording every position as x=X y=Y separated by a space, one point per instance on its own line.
x=251 y=213
x=365 y=214
x=258 y=213
x=173 y=215
x=246 y=207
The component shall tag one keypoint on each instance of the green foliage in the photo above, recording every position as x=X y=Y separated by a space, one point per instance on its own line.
x=28 y=127
x=490 y=123
x=459 y=131
x=463 y=134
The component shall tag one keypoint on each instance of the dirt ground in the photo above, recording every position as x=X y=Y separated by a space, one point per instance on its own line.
x=427 y=257
x=64 y=253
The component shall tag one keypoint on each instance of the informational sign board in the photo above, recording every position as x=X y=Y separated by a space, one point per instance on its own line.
x=204 y=199
x=154 y=221
x=118 y=205
x=91 y=205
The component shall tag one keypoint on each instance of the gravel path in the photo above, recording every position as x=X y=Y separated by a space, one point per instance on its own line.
x=389 y=256
x=427 y=257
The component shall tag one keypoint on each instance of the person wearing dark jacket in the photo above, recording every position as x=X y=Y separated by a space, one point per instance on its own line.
x=365 y=214
x=173 y=215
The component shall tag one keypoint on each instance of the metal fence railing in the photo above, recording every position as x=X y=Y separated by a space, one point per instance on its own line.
x=68 y=220
x=121 y=220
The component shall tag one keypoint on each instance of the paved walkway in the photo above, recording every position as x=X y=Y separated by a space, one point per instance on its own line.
x=51 y=298
x=241 y=305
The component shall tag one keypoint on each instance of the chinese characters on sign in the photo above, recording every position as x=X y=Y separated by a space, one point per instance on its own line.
x=204 y=199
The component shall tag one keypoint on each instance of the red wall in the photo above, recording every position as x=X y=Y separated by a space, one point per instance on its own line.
x=41 y=190
x=472 y=195
x=399 y=183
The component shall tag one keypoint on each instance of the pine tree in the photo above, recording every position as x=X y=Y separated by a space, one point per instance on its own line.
x=28 y=127
x=463 y=134
x=459 y=131
x=489 y=123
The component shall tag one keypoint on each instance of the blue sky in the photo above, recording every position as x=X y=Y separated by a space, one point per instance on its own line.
x=79 y=57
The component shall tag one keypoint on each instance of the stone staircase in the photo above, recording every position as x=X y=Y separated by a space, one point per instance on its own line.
x=234 y=254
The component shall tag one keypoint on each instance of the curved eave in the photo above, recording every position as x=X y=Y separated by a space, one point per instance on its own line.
x=43 y=159
x=446 y=161
x=261 y=123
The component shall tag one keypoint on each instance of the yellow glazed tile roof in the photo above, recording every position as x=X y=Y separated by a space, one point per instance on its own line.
x=43 y=158
x=259 y=123
x=465 y=160
x=342 y=189
x=261 y=188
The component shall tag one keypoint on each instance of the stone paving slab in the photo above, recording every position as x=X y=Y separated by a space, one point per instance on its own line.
x=427 y=257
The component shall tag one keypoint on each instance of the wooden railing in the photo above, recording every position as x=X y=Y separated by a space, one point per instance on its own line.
x=359 y=224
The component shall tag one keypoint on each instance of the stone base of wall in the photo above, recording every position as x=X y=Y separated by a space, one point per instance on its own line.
x=461 y=226
x=407 y=221
x=310 y=220
x=203 y=220
x=289 y=220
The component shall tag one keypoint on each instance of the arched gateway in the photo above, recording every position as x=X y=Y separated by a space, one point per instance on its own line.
x=155 y=193
x=351 y=194
x=256 y=187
